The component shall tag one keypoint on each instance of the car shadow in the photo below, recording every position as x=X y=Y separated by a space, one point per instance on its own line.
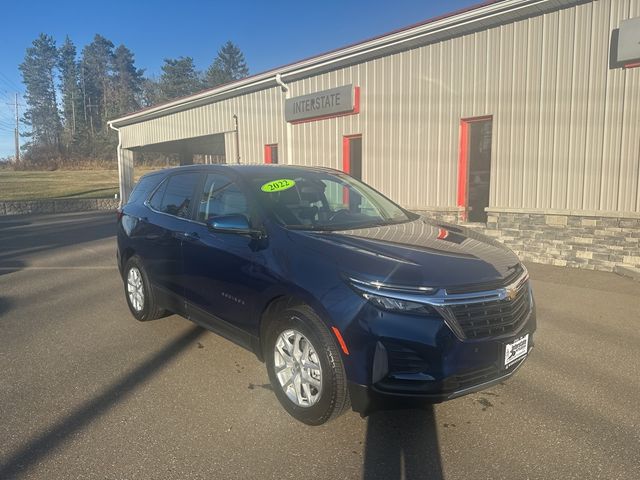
x=34 y=234
x=11 y=266
x=5 y=304
x=58 y=434
x=402 y=444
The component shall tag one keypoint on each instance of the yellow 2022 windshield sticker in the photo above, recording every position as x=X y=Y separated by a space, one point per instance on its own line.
x=278 y=185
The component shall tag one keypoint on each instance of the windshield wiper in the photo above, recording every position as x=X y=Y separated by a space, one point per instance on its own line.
x=319 y=228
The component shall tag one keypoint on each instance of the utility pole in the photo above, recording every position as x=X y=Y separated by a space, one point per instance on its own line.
x=17 y=136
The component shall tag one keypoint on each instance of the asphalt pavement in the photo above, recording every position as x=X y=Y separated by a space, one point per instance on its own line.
x=88 y=392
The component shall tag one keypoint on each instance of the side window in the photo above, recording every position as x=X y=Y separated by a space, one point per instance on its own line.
x=176 y=195
x=220 y=196
x=155 y=201
x=142 y=189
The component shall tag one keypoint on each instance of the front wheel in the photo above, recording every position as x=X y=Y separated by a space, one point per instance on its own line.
x=137 y=289
x=305 y=367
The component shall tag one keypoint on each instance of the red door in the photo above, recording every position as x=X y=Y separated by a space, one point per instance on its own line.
x=474 y=167
x=271 y=153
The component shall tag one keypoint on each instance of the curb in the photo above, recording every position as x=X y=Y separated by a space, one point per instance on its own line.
x=629 y=272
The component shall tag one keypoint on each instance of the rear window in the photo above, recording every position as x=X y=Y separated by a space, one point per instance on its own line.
x=143 y=188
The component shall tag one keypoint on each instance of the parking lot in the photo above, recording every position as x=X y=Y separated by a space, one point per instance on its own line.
x=88 y=392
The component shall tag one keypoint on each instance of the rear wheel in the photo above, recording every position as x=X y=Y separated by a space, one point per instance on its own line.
x=305 y=367
x=140 y=296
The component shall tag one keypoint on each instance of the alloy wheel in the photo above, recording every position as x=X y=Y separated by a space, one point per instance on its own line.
x=135 y=289
x=297 y=367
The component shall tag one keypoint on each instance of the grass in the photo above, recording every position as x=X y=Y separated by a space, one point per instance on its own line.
x=36 y=185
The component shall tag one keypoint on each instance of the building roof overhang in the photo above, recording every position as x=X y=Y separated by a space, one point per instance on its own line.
x=476 y=18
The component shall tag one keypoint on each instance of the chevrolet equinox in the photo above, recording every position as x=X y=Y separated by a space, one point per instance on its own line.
x=348 y=298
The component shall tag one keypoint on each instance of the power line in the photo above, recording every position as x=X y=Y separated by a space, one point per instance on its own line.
x=6 y=118
x=10 y=83
x=5 y=96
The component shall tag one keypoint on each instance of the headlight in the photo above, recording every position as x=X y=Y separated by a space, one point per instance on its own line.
x=397 y=305
x=395 y=298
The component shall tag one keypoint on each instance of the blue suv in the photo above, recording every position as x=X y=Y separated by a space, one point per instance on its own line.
x=348 y=298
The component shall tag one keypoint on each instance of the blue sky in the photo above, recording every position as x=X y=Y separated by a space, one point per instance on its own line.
x=270 y=33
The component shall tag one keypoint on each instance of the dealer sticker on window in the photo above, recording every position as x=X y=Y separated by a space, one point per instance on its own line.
x=278 y=185
x=516 y=350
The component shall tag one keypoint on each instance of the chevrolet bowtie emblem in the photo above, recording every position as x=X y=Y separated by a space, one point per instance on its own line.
x=510 y=293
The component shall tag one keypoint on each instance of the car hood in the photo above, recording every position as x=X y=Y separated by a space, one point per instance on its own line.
x=419 y=252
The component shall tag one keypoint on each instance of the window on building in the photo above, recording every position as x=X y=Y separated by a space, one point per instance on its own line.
x=271 y=153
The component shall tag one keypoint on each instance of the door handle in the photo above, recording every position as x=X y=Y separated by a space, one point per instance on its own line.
x=191 y=236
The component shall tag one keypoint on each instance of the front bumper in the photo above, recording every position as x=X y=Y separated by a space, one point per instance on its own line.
x=366 y=399
x=400 y=361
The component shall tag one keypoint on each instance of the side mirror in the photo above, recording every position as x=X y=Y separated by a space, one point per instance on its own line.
x=237 y=224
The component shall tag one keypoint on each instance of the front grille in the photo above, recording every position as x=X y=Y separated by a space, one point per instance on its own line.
x=492 y=317
x=470 y=378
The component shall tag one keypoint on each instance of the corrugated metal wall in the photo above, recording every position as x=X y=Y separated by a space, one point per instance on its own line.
x=566 y=128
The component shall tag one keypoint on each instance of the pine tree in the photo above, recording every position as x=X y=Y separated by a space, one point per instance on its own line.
x=70 y=95
x=228 y=66
x=127 y=82
x=150 y=92
x=96 y=63
x=38 y=76
x=179 y=78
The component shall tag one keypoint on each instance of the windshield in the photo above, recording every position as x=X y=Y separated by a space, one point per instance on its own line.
x=317 y=200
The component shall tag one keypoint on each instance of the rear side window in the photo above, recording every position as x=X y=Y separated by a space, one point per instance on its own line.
x=143 y=188
x=175 y=196
x=155 y=201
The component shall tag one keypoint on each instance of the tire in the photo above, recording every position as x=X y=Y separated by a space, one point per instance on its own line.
x=325 y=396
x=138 y=292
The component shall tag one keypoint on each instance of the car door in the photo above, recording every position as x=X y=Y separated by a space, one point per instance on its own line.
x=224 y=272
x=170 y=208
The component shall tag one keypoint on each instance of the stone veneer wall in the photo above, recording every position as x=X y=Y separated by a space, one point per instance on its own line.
x=62 y=205
x=584 y=241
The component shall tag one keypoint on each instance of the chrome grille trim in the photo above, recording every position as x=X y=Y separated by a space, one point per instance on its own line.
x=440 y=298
x=448 y=305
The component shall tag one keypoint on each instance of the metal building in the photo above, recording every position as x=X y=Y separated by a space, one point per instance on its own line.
x=519 y=117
